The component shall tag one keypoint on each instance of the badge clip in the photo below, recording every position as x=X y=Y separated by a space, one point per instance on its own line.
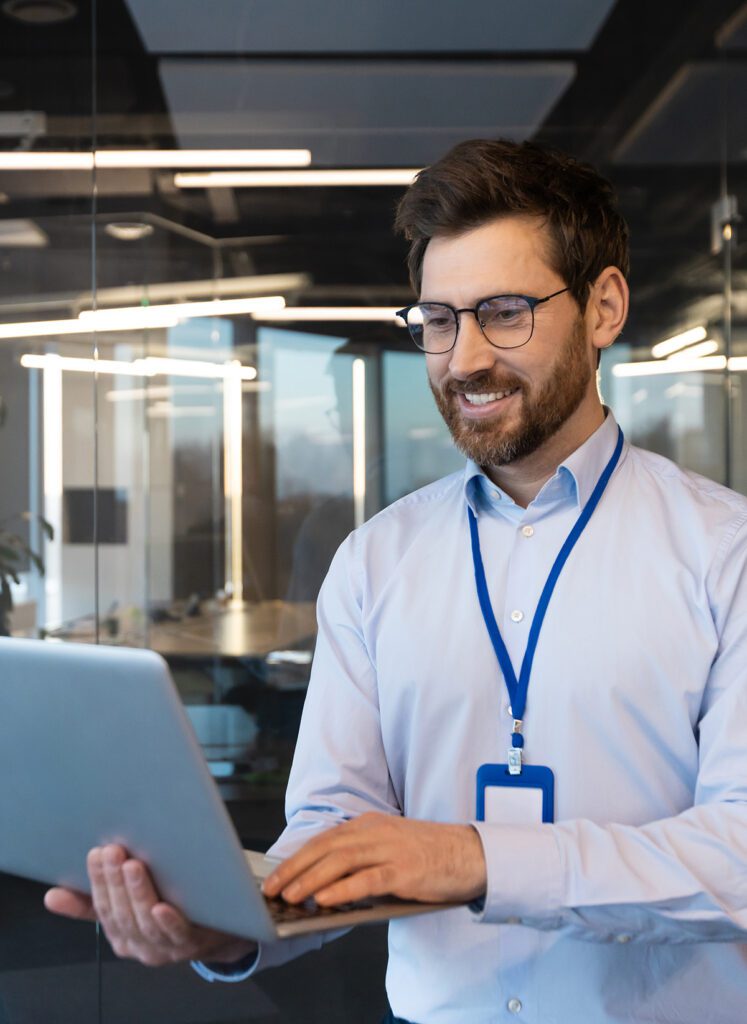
x=514 y=752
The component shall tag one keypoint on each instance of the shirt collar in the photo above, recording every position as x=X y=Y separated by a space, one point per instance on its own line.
x=575 y=478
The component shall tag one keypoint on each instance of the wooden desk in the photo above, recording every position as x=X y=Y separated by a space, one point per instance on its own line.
x=252 y=630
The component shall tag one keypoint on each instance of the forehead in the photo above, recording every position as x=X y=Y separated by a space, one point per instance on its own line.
x=509 y=254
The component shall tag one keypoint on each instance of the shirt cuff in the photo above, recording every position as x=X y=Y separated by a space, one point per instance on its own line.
x=524 y=873
x=239 y=971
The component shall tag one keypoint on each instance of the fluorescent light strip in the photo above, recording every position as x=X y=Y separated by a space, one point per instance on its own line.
x=184 y=310
x=175 y=412
x=704 y=348
x=303 y=179
x=385 y=314
x=189 y=291
x=52 y=433
x=158 y=392
x=233 y=481
x=670 y=345
x=151 y=366
x=648 y=369
x=154 y=158
x=130 y=318
x=359 y=442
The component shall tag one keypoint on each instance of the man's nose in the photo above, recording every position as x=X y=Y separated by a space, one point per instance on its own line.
x=472 y=352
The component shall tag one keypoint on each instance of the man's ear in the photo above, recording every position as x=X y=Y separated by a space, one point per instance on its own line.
x=607 y=308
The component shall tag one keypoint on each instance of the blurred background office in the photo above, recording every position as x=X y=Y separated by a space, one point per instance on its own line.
x=204 y=387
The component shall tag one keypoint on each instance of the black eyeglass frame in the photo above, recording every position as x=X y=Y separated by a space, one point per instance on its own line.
x=530 y=300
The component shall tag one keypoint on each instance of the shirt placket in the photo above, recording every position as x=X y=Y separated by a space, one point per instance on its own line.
x=536 y=540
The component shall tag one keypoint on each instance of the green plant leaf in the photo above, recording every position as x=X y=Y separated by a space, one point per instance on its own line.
x=45 y=525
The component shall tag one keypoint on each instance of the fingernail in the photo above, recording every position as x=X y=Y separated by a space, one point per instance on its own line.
x=292 y=891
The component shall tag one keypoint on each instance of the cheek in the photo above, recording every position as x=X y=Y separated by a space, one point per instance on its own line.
x=437 y=368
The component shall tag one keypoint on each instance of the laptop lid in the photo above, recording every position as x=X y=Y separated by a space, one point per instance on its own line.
x=95 y=747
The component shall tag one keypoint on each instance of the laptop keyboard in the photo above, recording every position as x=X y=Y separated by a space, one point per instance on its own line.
x=286 y=913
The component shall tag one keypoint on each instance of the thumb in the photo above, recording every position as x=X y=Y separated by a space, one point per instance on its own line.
x=70 y=904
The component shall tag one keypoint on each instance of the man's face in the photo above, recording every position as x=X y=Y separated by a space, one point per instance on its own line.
x=533 y=390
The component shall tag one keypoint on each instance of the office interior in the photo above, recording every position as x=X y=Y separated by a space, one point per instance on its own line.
x=204 y=386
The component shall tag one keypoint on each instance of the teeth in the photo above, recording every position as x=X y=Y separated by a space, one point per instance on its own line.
x=479 y=398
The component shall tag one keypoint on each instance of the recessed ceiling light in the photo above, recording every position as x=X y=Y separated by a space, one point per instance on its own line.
x=128 y=230
x=40 y=12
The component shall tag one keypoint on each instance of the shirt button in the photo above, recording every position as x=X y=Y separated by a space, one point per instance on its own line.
x=528 y=531
x=623 y=938
x=516 y=615
x=514 y=1005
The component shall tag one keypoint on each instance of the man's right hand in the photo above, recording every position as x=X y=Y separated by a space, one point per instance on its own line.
x=137 y=923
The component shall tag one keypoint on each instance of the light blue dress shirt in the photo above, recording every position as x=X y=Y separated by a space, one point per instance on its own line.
x=632 y=906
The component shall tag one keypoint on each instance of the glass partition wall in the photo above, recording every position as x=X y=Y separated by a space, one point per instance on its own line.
x=204 y=388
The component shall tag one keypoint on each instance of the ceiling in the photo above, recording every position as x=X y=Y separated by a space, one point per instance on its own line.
x=652 y=93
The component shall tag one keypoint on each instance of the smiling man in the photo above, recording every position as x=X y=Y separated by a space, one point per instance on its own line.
x=529 y=692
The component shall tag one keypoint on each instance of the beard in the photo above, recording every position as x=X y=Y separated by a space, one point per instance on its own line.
x=543 y=409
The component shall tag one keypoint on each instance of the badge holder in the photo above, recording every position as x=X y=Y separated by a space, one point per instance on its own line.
x=515 y=793
x=524 y=799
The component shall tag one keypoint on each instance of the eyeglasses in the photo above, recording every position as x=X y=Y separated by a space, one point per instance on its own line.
x=506 y=321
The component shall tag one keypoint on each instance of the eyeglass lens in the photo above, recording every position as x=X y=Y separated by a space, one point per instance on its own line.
x=506 y=322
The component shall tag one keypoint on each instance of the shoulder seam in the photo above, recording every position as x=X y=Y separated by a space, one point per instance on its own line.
x=727 y=541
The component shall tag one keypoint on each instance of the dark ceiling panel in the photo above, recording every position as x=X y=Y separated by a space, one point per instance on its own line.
x=384 y=26
x=686 y=123
x=382 y=113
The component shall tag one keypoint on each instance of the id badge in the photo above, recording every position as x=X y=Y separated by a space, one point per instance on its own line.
x=524 y=799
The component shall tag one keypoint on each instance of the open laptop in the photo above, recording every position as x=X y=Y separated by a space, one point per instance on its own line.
x=95 y=747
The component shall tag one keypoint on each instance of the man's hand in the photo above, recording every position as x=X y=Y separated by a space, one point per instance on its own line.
x=136 y=922
x=379 y=854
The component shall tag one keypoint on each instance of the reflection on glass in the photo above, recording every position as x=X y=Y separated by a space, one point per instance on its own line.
x=417 y=445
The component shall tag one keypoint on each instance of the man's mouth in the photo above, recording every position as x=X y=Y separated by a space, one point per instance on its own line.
x=485 y=397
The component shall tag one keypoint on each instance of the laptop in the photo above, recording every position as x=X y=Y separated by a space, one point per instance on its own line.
x=95 y=748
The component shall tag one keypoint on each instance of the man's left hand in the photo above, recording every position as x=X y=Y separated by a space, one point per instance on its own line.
x=382 y=855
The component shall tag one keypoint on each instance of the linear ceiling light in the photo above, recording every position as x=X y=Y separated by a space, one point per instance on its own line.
x=131 y=318
x=704 y=348
x=678 y=341
x=265 y=305
x=205 y=288
x=151 y=366
x=648 y=369
x=303 y=179
x=153 y=159
x=386 y=314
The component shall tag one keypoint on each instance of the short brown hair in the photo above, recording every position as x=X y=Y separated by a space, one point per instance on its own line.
x=482 y=179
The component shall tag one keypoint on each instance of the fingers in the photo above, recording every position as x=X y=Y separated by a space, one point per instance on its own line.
x=139 y=925
x=69 y=904
x=141 y=898
x=380 y=880
x=336 y=865
x=379 y=854
x=348 y=836
x=124 y=897
x=173 y=924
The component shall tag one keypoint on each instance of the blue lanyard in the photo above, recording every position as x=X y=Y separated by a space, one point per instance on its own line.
x=517 y=688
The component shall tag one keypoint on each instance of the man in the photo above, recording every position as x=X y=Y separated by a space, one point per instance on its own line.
x=629 y=900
